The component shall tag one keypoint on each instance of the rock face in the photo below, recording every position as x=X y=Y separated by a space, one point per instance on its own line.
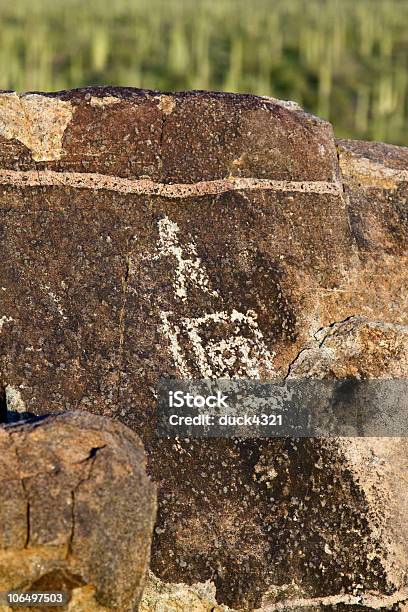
x=159 y=596
x=212 y=235
x=76 y=511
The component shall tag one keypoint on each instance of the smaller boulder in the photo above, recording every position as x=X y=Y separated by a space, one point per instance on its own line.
x=77 y=510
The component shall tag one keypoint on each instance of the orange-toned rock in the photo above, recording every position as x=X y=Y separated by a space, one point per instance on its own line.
x=76 y=510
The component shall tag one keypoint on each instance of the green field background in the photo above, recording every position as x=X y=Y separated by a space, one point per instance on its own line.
x=344 y=60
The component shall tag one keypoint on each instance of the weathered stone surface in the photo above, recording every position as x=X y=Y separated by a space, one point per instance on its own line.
x=76 y=510
x=159 y=597
x=375 y=179
x=356 y=350
x=211 y=235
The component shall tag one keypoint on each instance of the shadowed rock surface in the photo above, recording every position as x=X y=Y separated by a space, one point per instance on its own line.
x=76 y=511
x=147 y=235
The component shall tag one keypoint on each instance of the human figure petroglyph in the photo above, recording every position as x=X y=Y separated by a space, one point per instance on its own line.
x=241 y=352
x=188 y=269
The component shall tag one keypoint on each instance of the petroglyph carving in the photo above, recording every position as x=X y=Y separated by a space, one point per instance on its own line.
x=188 y=265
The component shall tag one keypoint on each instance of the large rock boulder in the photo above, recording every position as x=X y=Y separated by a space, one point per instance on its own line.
x=204 y=235
x=76 y=511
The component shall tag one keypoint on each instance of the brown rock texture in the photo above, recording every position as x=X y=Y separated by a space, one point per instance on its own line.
x=76 y=512
x=149 y=235
x=356 y=350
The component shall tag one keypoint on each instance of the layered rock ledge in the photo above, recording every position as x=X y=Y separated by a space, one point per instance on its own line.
x=149 y=235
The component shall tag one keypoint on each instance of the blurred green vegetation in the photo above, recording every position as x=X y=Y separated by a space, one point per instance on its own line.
x=345 y=60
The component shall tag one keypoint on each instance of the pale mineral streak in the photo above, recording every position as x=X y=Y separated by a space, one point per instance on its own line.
x=92 y=181
x=370 y=602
